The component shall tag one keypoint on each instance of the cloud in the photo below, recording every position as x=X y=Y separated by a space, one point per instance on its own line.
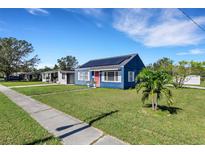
x=192 y=52
x=158 y=27
x=37 y=11
x=97 y=14
x=92 y=12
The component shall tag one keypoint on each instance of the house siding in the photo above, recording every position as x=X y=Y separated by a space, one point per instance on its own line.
x=60 y=80
x=80 y=82
x=118 y=85
x=135 y=65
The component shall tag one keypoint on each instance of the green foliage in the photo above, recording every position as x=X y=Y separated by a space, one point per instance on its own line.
x=180 y=72
x=197 y=68
x=55 y=67
x=165 y=64
x=154 y=84
x=67 y=63
x=13 y=56
x=46 y=68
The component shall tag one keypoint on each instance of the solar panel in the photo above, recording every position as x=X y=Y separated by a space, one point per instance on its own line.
x=105 y=62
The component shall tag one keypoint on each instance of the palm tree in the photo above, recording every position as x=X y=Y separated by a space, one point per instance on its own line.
x=154 y=84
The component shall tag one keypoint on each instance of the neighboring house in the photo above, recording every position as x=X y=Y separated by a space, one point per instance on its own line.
x=25 y=76
x=114 y=72
x=59 y=76
x=192 y=80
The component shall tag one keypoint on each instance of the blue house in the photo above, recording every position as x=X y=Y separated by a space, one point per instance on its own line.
x=114 y=72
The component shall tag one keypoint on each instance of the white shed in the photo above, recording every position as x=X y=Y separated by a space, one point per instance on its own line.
x=192 y=80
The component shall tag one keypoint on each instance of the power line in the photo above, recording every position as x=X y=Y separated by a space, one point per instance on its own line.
x=198 y=25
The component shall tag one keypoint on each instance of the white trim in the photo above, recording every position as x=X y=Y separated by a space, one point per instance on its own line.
x=83 y=75
x=116 y=77
x=119 y=76
x=88 y=75
x=103 y=76
x=112 y=81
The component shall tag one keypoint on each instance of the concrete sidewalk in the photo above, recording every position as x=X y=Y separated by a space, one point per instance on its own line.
x=69 y=129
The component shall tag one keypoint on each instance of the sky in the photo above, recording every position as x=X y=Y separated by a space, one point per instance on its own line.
x=98 y=33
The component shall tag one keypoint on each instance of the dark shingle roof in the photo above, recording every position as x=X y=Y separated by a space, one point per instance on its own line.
x=106 y=61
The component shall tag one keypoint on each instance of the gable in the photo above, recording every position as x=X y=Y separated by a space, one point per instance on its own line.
x=136 y=63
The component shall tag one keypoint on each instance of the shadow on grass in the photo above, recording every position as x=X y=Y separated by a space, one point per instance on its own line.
x=170 y=109
x=85 y=126
x=40 y=140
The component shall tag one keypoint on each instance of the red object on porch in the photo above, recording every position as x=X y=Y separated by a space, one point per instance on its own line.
x=97 y=78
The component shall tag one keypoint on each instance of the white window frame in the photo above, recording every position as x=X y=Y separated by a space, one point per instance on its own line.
x=131 y=76
x=117 y=76
x=84 y=76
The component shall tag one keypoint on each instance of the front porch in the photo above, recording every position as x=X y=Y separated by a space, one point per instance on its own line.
x=61 y=77
x=106 y=78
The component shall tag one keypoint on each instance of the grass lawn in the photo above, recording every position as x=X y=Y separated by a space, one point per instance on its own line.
x=203 y=83
x=48 y=89
x=121 y=114
x=17 y=127
x=20 y=83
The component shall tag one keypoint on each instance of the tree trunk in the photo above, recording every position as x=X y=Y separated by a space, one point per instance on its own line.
x=153 y=103
x=156 y=105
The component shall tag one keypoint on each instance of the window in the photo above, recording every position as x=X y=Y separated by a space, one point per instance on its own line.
x=111 y=76
x=131 y=76
x=63 y=75
x=83 y=76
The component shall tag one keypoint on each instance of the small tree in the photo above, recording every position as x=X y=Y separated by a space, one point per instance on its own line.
x=165 y=64
x=67 y=63
x=180 y=73
x=154 y=84
x=197 y=68
x=46 y=68
x=55 y=67
x=13 y=56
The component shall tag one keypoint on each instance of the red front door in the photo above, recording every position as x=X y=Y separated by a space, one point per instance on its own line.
x=97 y=78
